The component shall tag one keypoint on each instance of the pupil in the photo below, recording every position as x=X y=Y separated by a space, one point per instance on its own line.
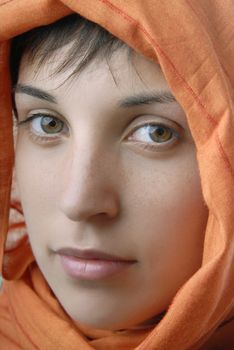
x=51 y=125
x=160 y=131
x=160 y=134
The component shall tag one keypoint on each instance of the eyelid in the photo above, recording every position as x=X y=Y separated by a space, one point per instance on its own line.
x=154 y=147
x=143 y=120
x=44 y=138
x=175 y=133
x=138 y=122
x=45 y=112
x=34 y=115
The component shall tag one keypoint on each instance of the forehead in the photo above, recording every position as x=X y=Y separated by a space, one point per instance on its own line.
x=120 y=72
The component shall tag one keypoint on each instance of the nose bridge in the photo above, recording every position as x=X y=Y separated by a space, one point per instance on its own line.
x=89 y=187
x=87 y=170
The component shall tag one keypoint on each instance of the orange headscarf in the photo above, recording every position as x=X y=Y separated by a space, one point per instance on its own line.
x=193 y=42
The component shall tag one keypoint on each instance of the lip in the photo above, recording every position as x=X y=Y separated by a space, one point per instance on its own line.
x=92 y=264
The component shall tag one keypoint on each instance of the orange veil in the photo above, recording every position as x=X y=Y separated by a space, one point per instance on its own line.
x=193 y=42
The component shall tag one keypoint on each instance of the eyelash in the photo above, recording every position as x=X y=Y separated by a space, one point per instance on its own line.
x=37 y=137
x=146 y=146
x=156 y=146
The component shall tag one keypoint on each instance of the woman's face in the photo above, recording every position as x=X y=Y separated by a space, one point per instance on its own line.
x=106 y=163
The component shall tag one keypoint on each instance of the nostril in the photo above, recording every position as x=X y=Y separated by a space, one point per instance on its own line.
x=82 y=209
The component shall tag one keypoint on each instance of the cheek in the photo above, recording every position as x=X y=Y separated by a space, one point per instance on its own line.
x=35 y=180
x=36 y=170
x=170 y=216
x=33 y=183
x=168 y=224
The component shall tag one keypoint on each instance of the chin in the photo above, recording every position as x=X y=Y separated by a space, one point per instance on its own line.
x=102 y=323
x=98 y=324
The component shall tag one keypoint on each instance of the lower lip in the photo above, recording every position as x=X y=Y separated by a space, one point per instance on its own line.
x=92 y=270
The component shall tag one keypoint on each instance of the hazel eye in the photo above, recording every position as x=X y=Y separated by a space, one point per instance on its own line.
x=45 y=128
x=153 y=134
x=160 y=133
x=48 y=124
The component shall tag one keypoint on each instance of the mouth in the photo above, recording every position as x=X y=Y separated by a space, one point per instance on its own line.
x=92 y=265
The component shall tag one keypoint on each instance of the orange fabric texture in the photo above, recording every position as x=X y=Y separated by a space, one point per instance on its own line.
x=193 y=42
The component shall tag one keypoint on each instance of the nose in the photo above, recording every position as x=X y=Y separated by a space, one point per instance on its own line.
x=89 y=187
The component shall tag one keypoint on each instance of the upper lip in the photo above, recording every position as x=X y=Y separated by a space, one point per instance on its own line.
x=90 y=254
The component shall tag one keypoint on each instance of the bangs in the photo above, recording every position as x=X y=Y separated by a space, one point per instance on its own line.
x=86 y=41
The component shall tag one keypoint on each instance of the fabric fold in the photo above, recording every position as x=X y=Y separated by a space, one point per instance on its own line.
x=192 y=43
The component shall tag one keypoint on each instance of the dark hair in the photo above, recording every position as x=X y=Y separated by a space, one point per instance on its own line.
x=87 y=40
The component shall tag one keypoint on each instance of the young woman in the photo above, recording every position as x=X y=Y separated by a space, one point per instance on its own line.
x=124 y=180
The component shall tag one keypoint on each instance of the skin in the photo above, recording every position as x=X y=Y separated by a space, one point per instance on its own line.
x=96 y=186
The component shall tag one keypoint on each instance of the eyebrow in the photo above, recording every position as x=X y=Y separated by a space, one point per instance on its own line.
x=130 y=101
x=35 y=92
x=147 y=99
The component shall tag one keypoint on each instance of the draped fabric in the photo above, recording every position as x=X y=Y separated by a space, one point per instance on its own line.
x=193 y=43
